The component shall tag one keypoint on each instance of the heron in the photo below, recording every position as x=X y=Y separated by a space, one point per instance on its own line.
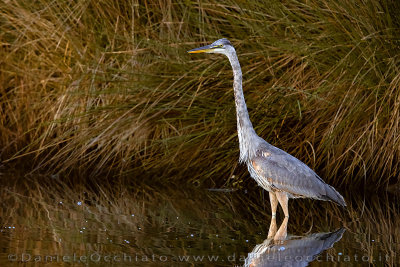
x=276 y=171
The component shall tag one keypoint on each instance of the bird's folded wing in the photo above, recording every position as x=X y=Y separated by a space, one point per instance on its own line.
x=286 y=173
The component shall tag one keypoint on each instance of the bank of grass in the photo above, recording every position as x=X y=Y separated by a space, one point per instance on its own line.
x=107 y=86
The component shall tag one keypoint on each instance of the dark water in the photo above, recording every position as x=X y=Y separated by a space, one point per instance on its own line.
x=45 y=222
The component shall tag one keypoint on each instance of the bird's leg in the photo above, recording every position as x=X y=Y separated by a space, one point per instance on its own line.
x=274 y=204
x=272 y=228
x=282 y=232
x=283 y=200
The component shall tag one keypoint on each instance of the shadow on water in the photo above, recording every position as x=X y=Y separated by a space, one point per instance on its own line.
x=45 y=220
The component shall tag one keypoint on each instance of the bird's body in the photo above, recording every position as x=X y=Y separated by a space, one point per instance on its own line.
x=274 y=169
x=278 y=172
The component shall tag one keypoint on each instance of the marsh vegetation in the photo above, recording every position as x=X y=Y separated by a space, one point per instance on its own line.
x=101 y=87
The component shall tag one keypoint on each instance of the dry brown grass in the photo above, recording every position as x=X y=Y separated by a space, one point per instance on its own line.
x=107 y=86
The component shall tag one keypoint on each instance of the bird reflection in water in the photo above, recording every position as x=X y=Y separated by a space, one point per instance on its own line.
x=280 y=250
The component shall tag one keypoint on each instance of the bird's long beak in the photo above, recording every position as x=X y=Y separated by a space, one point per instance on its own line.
x=203 y=49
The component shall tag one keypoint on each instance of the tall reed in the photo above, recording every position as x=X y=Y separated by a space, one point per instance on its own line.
x=107 y=86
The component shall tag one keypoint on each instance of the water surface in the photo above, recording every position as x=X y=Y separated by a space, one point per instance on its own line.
x=46 y=220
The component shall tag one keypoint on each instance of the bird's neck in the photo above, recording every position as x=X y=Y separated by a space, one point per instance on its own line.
x=247 y=135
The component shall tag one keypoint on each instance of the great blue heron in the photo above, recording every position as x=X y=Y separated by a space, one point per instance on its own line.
x=278 y=172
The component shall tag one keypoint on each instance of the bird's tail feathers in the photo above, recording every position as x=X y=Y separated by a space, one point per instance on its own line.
x=333 y=195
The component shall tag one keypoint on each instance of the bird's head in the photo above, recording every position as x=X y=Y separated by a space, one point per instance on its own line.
x=221 y=46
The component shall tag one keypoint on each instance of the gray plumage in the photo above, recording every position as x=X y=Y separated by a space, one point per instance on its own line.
x=272 y=168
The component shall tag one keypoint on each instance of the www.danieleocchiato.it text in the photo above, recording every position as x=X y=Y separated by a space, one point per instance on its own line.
x=98 y=257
